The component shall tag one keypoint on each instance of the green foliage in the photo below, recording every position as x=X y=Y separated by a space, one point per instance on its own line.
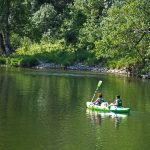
x=20 y=14
x=125 y=32
x=15 y=40
x=121 y=62
x=50 y=52
x=64 y=57
x=72 y=24
x=20 y=61
x=29 y=61
x=35 y=48
x=72 y=31
x=44 y=16
x=90 y=7
x=2 y=61
x=14 y=62
x=45 y=22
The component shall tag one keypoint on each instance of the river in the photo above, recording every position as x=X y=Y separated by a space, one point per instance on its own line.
x=45 y=110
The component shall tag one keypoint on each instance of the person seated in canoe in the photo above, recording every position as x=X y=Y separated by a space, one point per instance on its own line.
x=117 y=102
x=99 y=99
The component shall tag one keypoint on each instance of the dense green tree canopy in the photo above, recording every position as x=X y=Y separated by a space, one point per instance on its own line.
x=125 y=32
x=71 y=31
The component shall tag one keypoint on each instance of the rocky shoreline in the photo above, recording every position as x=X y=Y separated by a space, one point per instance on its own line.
x=81 y=67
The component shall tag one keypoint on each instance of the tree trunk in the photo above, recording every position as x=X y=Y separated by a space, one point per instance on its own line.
x=7 y=42
x=7 y=29
x=2 y=45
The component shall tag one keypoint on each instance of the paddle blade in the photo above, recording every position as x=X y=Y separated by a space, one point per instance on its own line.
x=99 y=84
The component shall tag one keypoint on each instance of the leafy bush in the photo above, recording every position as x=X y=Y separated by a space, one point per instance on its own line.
x=29 y=61
x=2 y=61
x=15 y=62
x=112 y=64
x=49 y=52
x=20 y=61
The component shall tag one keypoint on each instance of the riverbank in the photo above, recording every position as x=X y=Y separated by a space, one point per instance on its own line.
x=33 y=62
x=81 y=67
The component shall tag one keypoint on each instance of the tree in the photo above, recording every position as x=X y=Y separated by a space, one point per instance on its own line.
x=13 y=18
x=45 y=21
x=89 y=32
x=2 y=46
x=5 y=28
x=72 y=24
x=59 y=5
x=125 y=32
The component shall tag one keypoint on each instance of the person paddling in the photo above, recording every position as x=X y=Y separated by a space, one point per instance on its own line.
x=99 y=99
x=117 y=102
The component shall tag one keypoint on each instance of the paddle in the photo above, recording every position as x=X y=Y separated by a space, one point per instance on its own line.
x=98 y=86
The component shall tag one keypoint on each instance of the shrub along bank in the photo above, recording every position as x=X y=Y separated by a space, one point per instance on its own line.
x=58 y=53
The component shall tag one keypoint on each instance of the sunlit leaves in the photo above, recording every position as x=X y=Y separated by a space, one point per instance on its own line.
x=123 y=32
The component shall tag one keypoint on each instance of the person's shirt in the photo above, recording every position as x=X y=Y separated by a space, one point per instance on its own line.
x=99 y=101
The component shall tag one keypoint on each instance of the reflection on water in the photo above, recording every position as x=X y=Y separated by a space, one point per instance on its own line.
x=97 y=117
x=46 y=111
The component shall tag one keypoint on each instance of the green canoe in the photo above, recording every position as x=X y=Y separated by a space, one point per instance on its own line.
x=106 y=108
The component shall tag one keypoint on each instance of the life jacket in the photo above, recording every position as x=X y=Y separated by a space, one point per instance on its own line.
x=101 y=99
x=119 y=102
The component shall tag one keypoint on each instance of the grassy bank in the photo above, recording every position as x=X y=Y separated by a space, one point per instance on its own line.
x=32 y=54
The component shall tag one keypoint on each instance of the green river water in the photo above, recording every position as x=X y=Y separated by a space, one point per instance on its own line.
x=45 y=110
